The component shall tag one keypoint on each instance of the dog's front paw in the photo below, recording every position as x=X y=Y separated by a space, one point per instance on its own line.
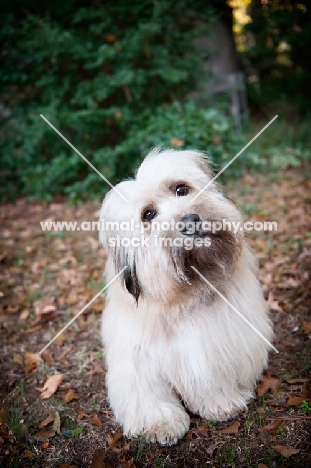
x=167 y=432
x=166 y=425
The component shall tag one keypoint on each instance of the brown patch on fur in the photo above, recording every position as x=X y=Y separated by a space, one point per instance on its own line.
x=215 y=262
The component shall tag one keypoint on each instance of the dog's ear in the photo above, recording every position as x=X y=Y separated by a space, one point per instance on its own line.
x=131 y=281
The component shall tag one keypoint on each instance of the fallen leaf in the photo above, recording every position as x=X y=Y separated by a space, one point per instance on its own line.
x=97 y=421
x=110 y=38
x=200 y=430
x=48 y=356
x=267 y=383
x=48 y=420
x=43 y=306
x=24 y=315
x=50 y=386
x=18 y=358
x=29 y=454
x=296 y=400
x=97 y=369
x=73 y=432
x=178 y=142
x=34 y=328
x=32 y=361
x=97 y=460
x=60 y=339
x=262 y=465
x=232 y=429
x=285 y=451
x=273 y=426
x=117 y=443
x=297 y=381
x=306 y=326
x=71 y=395
x=46 y=444
x=44 y=434
x=211 y=449
x=82 y=416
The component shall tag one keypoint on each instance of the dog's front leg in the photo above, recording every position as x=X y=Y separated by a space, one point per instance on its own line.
x=141 y=400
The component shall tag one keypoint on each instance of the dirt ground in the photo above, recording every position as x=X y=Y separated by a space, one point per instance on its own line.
x=54 y=411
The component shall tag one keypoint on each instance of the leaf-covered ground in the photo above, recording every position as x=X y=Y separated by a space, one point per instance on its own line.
x=54 y=411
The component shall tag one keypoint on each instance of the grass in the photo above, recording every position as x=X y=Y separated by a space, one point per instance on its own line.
x=227 y=456
x=140 y=447
x=305 y=407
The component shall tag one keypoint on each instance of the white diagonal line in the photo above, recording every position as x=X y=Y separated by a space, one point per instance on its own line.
x=82 y=310
x=84 y=158
x=233 y=159
x=235 y=310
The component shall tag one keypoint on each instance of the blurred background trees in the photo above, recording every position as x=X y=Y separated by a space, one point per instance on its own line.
x=118 y=77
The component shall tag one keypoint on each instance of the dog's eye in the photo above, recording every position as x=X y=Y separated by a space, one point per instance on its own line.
x=181 y=190
x=148 y=215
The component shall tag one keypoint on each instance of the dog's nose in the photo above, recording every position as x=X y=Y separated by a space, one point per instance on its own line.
x=190 y=224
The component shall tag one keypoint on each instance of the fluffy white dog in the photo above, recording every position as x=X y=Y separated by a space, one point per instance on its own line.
x=170 y=340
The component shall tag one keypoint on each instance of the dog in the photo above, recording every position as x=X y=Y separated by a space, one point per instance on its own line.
x=172 y=341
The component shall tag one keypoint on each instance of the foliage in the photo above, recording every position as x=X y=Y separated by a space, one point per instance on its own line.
x=278 y=36
x=285 y=144
x=305 y=407
x=99 y=73
x=185 y=126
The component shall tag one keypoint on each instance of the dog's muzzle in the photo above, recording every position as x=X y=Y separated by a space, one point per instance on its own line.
x=190 y=225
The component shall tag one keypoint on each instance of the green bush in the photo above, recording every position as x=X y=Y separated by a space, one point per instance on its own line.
x=98 y=73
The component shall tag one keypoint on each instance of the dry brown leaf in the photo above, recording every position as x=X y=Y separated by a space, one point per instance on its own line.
x=110 y=38
x=50 y=386
x=267 y=383
x=97 y=460
x=178 y=142
x=24 y=315
x=44 y=306
x=48 y=356
x=232 y=429
x=82 y=416
x=306 y=326
x=18 y=358
x=97 y=369
x=71 y=395
x=34 y=328
x=285 y=451
x=273 y=426
x=29 y=454
x=48 y=420
x=297 y=381
x=97 y=421
x=32 y=361
x=117 y=443
x=199 y=430
x=296 y=400
x=44 y=434
x=211 y=449
x=262 y=465
x=60 y=339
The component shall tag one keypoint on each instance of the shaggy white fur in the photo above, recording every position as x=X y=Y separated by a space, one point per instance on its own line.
x=170 y=341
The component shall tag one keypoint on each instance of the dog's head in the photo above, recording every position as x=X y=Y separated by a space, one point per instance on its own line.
x=161 y=232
